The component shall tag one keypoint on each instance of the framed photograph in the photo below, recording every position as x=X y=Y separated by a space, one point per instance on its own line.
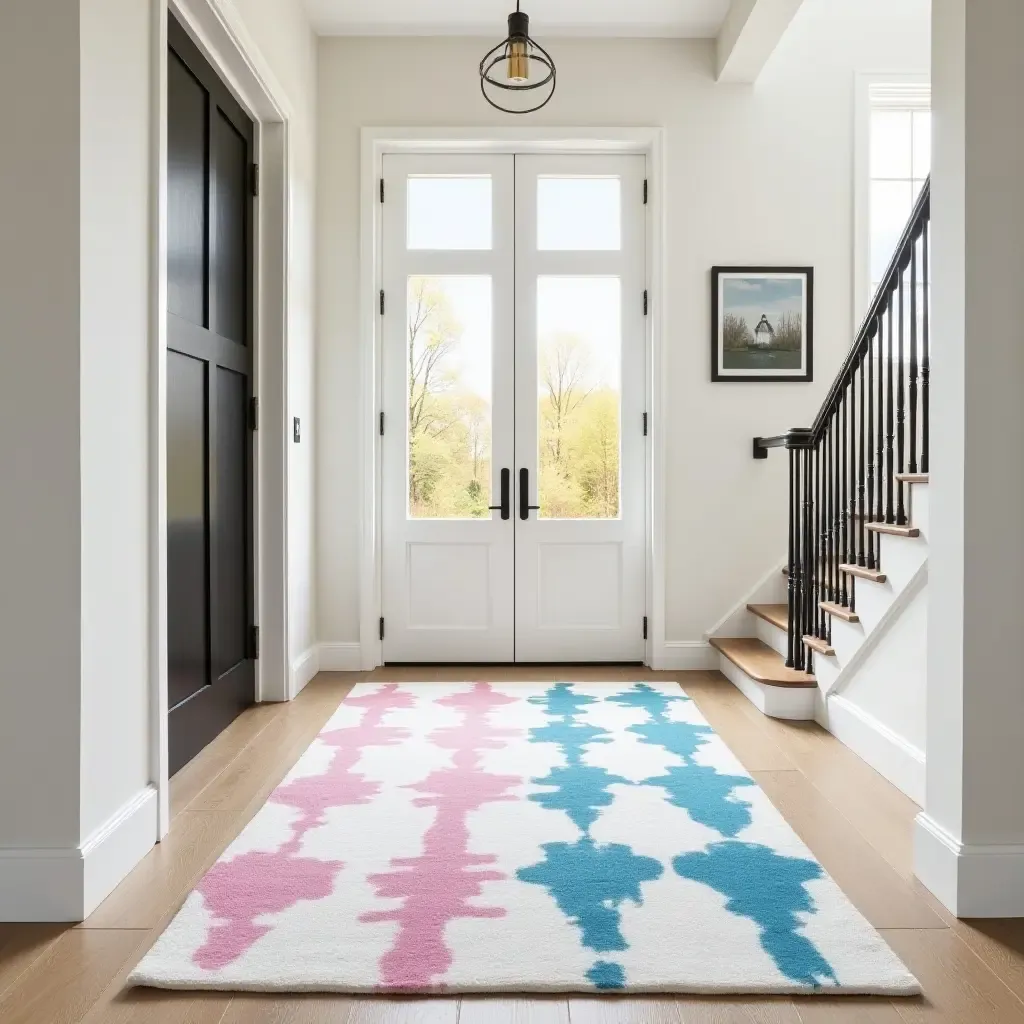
x=762 y=323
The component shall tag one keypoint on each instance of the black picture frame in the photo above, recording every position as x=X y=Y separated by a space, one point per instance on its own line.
x=719 y=371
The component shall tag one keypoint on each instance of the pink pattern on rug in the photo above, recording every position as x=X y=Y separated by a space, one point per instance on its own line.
x=437 y=885
x=239 y=890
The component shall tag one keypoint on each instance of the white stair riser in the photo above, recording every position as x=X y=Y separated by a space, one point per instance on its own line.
x=793 y=703
x=771 y=635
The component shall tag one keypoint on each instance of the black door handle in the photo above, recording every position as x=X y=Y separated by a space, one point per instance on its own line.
x=506 y=511
x=524 y=495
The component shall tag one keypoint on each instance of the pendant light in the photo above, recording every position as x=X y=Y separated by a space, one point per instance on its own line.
x=519 y=67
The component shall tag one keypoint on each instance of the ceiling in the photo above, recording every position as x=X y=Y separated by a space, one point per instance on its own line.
x=677 y=18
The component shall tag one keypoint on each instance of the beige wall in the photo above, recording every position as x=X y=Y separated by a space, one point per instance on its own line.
x=755 y=175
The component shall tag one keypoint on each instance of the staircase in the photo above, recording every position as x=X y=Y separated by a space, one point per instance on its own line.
x=858 y=532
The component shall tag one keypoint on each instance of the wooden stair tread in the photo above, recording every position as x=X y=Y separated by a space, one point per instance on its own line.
x=760 y=662
x=839 y=611
x=776 y=614
x=894 y=530
x=912 y=478
x=821 y=646
x=863 y=573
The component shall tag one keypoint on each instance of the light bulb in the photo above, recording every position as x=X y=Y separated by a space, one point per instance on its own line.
x=518 y=61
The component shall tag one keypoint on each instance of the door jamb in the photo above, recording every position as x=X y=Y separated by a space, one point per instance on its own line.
x=375 y=142
x=220 y=34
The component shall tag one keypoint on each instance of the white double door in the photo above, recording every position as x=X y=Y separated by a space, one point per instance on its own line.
x=513 y=462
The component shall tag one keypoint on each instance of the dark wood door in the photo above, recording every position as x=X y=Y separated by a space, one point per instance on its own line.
x=210 y=636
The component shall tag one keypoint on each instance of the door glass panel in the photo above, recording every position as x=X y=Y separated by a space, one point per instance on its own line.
x=446 y=212
x=579 y=213
x=449 y=386
x=579 y=346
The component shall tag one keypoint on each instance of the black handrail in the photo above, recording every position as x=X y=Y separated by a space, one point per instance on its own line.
x=846 y=468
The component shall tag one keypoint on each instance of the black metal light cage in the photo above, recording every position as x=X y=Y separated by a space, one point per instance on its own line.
x=518 y=32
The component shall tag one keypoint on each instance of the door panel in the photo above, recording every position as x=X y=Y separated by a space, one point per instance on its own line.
x=211 y=668
x=514 y=349
x=580 y=387
x=187 y=670
x=447 y=364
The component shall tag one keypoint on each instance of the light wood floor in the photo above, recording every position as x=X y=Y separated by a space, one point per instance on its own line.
x=856 y=823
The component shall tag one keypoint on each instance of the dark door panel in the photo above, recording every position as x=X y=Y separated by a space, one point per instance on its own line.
x=211 y=666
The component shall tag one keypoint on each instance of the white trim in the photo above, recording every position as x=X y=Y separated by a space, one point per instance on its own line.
x=220 y=33
x=888 y=753
x=67 y=884
x=970 y=880
x=340 y=657
x=304 y=668
x=684 y=655
x=866 y=82
x=795 y=703
x=375 y=142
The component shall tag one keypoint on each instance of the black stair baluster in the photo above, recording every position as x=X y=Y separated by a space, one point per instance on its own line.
x=925 y=345
x=791 y=588
x=912 y=464
x=879 y=512
x=843 y=499
x=870 y=510
x=818 y=548
x=889 y=515
x=901 y=515
x=861 y=437
x=813 y=572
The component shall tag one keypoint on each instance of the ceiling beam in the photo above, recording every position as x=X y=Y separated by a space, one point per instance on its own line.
x=751 y=31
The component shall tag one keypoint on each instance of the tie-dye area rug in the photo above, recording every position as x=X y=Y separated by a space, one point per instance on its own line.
x=520 y=837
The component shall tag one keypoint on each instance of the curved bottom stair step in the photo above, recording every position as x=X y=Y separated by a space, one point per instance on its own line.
x=760 y=662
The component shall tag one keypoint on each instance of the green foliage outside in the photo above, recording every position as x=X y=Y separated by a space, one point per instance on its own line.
x=450 y=425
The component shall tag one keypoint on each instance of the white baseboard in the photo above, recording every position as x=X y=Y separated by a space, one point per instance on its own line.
x=341 y=657
x=304 y=668
x=68 y=884
x=888 y=753
x=795 y=703
x=970 y=880
x=684 y=655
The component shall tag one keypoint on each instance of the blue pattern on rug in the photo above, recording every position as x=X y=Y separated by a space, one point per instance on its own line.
x=770 y=889
x=703 y=792
x=588 y=882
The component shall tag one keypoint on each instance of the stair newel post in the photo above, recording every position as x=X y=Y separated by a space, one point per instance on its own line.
x=812 y=570
x=870 y=444
x=912 y=463
x=925 y=345
x=819 y=549
x=792 y=580
x=889 y=515
x=901 y=515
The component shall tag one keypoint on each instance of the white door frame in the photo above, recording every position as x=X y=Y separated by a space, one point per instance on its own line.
x=218 y=31
x=375 y=143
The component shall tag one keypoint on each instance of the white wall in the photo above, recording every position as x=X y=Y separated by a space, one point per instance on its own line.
x=76 y=188
x=724 y=204
x=970 y=840
x=281 y=32
x=40 y=493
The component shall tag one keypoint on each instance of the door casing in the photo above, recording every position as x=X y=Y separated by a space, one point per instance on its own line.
x=375 y=143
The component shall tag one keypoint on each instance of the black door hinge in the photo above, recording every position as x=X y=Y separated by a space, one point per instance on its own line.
x=254 y=179
x=382 y=627
x=645 y=627
x=645 y=302
x=382 y=302
x=645 y=424
x=645 y=191
x=254 y=641
x=382 y=190
x=382 y=423
x=254 y=413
